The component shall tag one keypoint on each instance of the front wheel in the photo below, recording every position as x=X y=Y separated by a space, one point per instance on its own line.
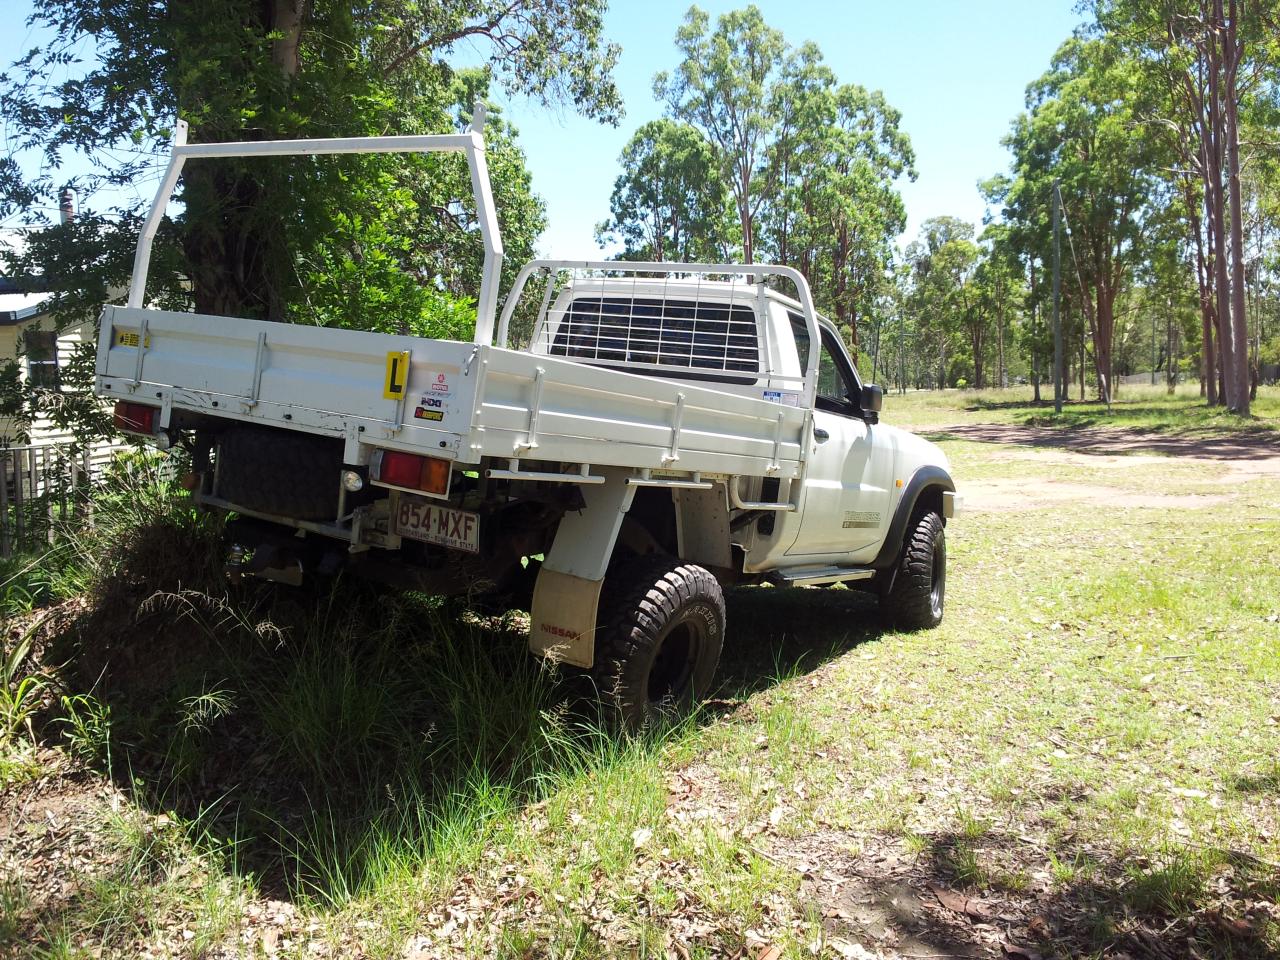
x=662 y=629
x=918 y=595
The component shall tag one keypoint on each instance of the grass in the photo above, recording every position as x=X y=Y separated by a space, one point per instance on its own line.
x=1144 y=408
x=1089 y=739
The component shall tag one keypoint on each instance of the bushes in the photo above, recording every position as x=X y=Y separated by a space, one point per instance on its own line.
x=339 y=732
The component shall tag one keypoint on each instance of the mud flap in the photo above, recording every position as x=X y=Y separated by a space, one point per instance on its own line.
x=567 y=595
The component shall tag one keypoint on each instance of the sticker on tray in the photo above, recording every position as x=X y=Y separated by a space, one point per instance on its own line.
x=788 y=398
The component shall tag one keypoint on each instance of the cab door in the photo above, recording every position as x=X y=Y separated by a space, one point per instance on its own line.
x=844 y=506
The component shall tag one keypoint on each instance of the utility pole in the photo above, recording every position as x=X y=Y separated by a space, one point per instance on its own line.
x=1059 y=387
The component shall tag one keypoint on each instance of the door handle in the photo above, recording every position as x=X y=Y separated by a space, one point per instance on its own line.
x=820 y=435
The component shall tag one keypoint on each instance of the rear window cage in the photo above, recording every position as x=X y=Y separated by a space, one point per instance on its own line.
x=688 y=334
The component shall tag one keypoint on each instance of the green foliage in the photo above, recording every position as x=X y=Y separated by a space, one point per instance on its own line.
x=837 y=211
x=1270 y=352
x=86 y=726
x=943 y=261
x=367 y=242
x=723 y=87
x=21 y=692
x=809 y=163
x=669 y=202
x=1079 y=132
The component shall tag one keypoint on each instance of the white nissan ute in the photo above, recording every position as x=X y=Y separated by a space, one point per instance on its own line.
x=663 y=431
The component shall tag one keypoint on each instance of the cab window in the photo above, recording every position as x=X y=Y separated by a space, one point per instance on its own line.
x=838 y=388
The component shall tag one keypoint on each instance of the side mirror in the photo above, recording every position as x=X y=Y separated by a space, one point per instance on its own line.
x=872 y=401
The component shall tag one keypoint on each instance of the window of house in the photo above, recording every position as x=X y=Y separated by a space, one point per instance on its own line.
x=42 y=358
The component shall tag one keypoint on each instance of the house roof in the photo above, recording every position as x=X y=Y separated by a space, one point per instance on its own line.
x=17 y=305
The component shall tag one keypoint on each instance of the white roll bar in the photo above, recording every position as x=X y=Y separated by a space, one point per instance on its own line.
x=471 y=143
x=757 y=270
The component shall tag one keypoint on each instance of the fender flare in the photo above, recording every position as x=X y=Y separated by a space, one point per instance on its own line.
x=925 y=478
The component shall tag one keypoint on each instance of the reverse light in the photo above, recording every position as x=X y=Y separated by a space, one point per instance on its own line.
x=407 y=470
x=352 y=482
x=135 y=417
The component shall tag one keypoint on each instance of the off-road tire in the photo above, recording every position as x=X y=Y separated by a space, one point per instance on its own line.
x=917 y=599
x=662 y=629
x=280 y=472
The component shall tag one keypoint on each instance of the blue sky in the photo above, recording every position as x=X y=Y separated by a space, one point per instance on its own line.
x=957 y=72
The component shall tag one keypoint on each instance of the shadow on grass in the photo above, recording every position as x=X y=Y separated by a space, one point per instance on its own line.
x=344 y=737
x=335 y=735
x=1251 y=443
x=987 y=893
x=981 y=403
x=780 y=632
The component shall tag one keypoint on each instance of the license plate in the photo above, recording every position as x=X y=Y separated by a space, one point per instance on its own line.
x=421 y=520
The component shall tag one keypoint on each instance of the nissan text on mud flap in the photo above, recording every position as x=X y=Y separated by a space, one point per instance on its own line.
x=663 y=430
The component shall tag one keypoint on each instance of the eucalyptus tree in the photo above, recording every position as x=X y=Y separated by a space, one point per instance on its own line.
x=800 y=108
x=669 y=202
x=1024 y=236
x=839 y=209
x=942 y=261
x=723 y=87
x=1080 y=129
x=348 y=241
x=1216 y=61
x=118 y=72
x=997 y=279
x=811 y=164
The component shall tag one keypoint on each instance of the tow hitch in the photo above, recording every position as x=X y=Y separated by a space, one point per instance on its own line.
x=266 y=562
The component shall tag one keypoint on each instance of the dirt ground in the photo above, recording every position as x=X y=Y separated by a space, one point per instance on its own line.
x=874 y=896
x=1243 y=457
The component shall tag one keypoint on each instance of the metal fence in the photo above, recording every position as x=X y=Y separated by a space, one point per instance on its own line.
x=38 y=490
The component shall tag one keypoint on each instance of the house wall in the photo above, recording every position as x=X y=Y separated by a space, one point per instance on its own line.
x=8 y=342
x=44 y=432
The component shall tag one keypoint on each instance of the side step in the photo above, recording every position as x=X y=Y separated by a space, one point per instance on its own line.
x=813 y=576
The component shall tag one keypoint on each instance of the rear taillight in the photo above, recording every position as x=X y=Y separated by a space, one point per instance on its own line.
x=135 y=418
x=394 y=469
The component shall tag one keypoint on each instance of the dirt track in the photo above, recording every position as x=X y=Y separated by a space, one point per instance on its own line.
x=1260 y=448
x=1247 y=457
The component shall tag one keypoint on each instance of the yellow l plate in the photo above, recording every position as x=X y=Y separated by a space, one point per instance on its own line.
x=397 y=374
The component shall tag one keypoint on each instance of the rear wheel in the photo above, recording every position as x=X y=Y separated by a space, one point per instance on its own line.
x=662 y=629
x=918 y=596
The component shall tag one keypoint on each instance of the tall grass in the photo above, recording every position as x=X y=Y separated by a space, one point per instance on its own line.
x=336 y=736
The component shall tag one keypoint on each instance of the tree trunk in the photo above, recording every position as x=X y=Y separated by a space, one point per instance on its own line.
x=1239 y=402
x=1082 y=361
x=744 y=216
x=1104 y=341
x=1000 y=372
x=1035 y=330
x=1217 y=209
x=1208 y=373
x=235 y=239
x=285 y=17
